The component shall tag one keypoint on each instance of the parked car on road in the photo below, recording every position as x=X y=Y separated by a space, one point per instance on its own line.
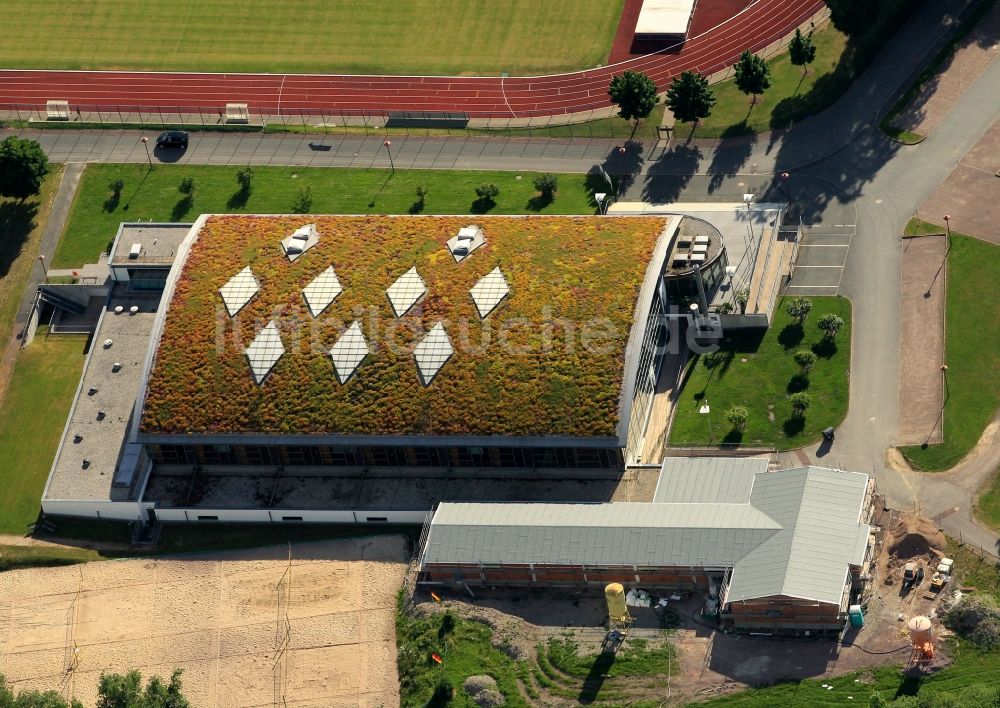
x=172 y=139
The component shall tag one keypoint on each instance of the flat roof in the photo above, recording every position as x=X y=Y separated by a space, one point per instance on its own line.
x=547 y=361
x=102 y=438
x=159 y=243
x=790 y=532
x=664 y=17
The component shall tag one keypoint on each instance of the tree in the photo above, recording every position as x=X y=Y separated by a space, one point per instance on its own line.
x=635 y=95
x=488 y=193
x=753 y=75
x=854 y=17
x=876 y=701
x=126 y=691
x=801 y=50
x=186 y=186
x=805 y=359
x=798 y=308
x=116 y=186
x=304 y=200
x=23 y=166
x=742 y=297
x=689 y=98
x=800 y=402
x=547 y=184
x=830 y=324
x=738 y=417
x=33 y=699
x=244 y=176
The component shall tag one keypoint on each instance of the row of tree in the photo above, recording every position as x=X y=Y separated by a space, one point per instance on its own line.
x=113 y=691
x=689 y=97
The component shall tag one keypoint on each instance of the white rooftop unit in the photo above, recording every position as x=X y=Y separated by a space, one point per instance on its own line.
x=301 y=240
x=664 y=19
x=135 y=250
x=468 y=239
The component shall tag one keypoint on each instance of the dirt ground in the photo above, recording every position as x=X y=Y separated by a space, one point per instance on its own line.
x=971 y=194
x=941 y=94
x=224 y=618
x=712 y=663
x=921 y=383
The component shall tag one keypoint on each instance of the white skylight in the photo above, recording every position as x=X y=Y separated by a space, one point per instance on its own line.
x=264 y=351
x=301 y=240
x=349 y=351
x=406 y=292
x=432 y=353
x=239 y=290
x=323 y=290
x=491 y=289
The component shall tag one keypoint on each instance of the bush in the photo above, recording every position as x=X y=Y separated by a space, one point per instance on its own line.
x=488 y=192
x=547 y=185
x=187 y=186
x=304 y=200
x=830 y=324
x=479 y=682
x=738 y=416
x=800 y=402
x=798 y=308
x=244 y=176
x=116 y=186
x=443 y=693
x=977 y=618
x=805 y=358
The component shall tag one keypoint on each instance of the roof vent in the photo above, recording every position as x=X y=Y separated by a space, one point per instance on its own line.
x=135 y=250
x=465 y=242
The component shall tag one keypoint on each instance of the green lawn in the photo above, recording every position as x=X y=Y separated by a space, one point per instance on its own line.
x=401 y=37
x=988 y=505
x=972 y=351
x=32 y=417
x=153 y=194
x=762 y=383
x=791 y=97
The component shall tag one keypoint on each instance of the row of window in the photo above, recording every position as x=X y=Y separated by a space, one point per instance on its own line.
x=347 y=456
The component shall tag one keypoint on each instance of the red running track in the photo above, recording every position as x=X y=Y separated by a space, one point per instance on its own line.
x=760 y=24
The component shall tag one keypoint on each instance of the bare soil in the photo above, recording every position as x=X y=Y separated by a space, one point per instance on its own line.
x=245 y=626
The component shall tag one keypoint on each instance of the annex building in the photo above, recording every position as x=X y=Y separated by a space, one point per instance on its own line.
x=783 y=552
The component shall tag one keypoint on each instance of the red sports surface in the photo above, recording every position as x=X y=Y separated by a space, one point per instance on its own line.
x=753 y=28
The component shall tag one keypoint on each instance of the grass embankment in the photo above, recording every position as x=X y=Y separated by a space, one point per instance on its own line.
x=930 y=73
x=412 y=37
x=557 y=673
x=972 y=350
x=987 y=507
x=32 y=417
x=757 y=371
x=21 y=227
x=153 y=194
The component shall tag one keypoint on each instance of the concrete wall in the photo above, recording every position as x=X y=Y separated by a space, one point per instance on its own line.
x=672 y=578
x=126 y=511
x=311 y=516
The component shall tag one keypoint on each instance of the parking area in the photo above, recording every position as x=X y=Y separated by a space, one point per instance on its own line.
x=822 y=254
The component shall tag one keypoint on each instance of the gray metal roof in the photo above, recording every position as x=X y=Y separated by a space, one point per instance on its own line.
x=791 y=532
x=596 y=534
x=708 y=479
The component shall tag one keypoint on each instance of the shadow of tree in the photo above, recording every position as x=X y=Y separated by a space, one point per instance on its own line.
x=799 y=382
x=181 y=208
x=239 y=199
x=727 y=161
x=538 y=202
x=682 y=161
x=112 y=202
x=482 y=206
x=825 y=348
x=623 y=164
x=793 y=426
x=733 y=437
x=791 y=335
x=17 y=219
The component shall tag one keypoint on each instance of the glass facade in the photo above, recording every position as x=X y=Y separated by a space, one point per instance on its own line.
x=654 y=346
x=147 y=278
x=377 y=456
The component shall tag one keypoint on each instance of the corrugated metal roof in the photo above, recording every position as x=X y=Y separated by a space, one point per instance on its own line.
x=795 y=533
x=596 y=534
x=708 y=479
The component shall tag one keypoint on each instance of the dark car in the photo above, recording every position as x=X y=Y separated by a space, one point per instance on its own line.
x=172 y=139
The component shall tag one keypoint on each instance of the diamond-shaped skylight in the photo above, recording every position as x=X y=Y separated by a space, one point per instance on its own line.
x=349 y=351
x=264 y=351
x=491 y=289
x=301 y=240
x=432 y=353
x=323 y=290
x=239 y=290
x=406 y=292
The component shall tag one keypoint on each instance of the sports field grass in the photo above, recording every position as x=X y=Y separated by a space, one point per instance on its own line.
x=758 y=371
x=972 y=343
x=153 y=194
x=32 y=417
x=401 y=37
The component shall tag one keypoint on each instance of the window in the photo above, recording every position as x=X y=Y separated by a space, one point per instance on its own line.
x=291 y=518
x=381 y=519
x=207 y=518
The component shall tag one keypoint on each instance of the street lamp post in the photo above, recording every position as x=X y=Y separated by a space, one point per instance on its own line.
x=45 y=273
x=784 y=186
x=389 y=153
x=601 y=198
x=947 y=225
x=145 y=144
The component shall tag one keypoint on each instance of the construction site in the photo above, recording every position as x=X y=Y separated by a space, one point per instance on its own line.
x=303 y=625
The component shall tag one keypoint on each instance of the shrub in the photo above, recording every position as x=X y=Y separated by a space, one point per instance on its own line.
x=742 y=297
x=443 y=693
x=116 y=186
x=304 y=200
x=977 y=618
x=805 y=359
x=830 y=324
x=447 y=624
x=798 y=308
x=738 y=417
x=800 y=402
x=488 y=192
x=490 y=698
x=187 y=186
x=478 y=683
x=244 y=176
x=547 y=185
